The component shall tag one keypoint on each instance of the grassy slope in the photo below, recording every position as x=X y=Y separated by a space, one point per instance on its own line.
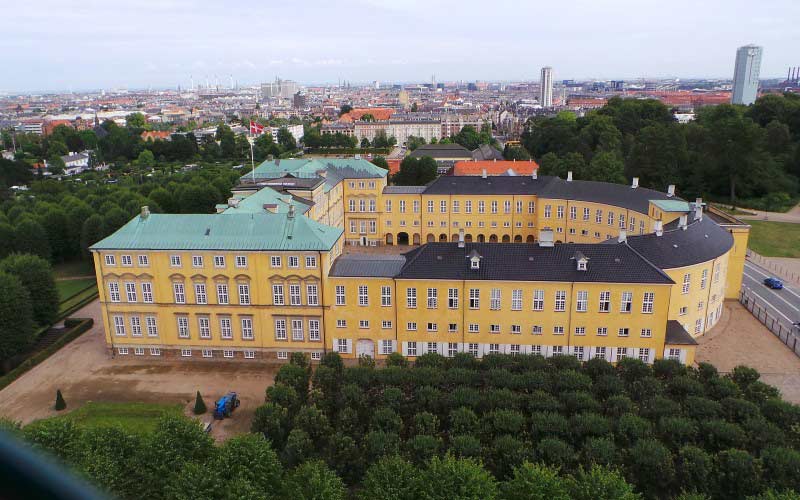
x=68 y=288
x=775 y=239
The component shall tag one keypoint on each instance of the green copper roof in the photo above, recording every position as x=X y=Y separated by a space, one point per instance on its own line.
x=339 y=168
x=247 y=231
x=672 y=205
x=255 y=202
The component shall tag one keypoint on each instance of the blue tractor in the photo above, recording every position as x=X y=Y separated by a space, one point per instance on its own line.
x=225 y=406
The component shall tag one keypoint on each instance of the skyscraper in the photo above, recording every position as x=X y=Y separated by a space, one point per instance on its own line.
x=546 y=90
x=745 y=74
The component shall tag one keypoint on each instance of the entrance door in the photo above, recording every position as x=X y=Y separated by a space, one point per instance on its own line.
x=363 y=241
x=365 y=347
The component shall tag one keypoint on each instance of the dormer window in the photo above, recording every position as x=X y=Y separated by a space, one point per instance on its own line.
x=581 y=265
x=475 y=263
x=581 y=261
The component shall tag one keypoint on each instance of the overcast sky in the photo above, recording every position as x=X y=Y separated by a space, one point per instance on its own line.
x=90 y=44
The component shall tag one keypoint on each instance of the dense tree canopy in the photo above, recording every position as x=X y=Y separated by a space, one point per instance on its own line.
x=415 y=171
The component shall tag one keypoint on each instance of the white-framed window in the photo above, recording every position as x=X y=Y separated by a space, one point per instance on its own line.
x=683 y=311
x=227 y=353
x=623 y=332
x=204 y=327
x=179 y=292
x=433 y=298
x=411 y=326
x=225 y=329
x=275 y=261
x=363 y=295
x=386 y=347
x=388 y=206
x=605 y=302
x=110 y=260
x=144 y=261
x=647 y=302
x=700 y=305
x=586 y=212
x=222 y=293
x=558 y=350
x=536 y=350
x=122 y=350
x=536 y=330
x=644 y=354
x=674 y=354
x=481 y=207
x=494 y=299
x=443 y=206
x=430 y=206
x=207 y=353
x=698 y=326
x=147 y=292
x=558 y=330
x=151 y=323
x=316 y=356
x=363 y=323
x=341 y=323
x=610 y=218
x=200 y=293
x=411 y=298
x=155 y=351
x=351 y=203
x=297 y=330
x=647 y=333
x=626 y=300
x=456 y=207
x=560 y=212
x=311 y=262
x=126 y=260
x=548 y=211
x=219 y=261
x=602 y=331
x=183 y=327
x=598 y=216
x=622 y=353
x=703 y=279
x=340 y=295
x=244 y=294
x=580 y=330
x=386 y=324
x=452 y=349
x=516 y=300
x=372 y=205
x=494 y=348
x=452 y=298
x=197 y=261
x=241 y=261
x=175 y=261
x=136 y=326
x=473 y=328
x=687 y=282
x=474 y=298
x=247 y=329
x=622 y=221
x=386 y=296
x=277 y=295
x=280 y=329
x=249 y=354
x=294 y=261
x=312 y=295
x=119 y=325
x=494 y=328
x=412 y=349
x=582 y=301
x=538 y=300
x=433 y=327
x=113 y=291
x=473 y=349
x=516 y=329
x=402 y=206
x=561 y=301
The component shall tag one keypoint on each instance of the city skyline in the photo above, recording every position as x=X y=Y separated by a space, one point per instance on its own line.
x=124 y=45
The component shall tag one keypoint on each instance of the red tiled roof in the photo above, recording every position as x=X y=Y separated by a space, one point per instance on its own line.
x=394 y=165
x=380 y=114
x=156 y=134
x=494 y=167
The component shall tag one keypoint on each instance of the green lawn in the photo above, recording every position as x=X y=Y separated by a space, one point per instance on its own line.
x=134 y=417
x=775 y=239
x=68 y=288
x=74 y=268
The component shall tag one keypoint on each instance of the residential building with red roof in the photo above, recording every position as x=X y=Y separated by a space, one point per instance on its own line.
x=495 y=167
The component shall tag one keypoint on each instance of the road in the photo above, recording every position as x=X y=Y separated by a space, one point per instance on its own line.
x=784 y=305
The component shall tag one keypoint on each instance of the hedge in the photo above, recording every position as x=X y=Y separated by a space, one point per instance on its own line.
x=80 y=325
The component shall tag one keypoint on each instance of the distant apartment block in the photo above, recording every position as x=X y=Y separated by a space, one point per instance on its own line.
x=745 y=74
x=546 y=90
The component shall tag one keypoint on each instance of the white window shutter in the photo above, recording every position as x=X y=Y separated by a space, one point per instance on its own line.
x=666 y=353
x=683 y=356
x=404 y=348
x=335 y=345
x=612 y=357
x=349 y=346
x=651 y=356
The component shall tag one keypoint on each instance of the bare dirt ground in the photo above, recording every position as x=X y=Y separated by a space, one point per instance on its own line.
x=792 y=215
x=84 y=371
x=740 y=339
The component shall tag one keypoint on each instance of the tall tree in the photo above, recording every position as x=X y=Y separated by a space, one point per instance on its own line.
x=36 y=276
x=16 y=317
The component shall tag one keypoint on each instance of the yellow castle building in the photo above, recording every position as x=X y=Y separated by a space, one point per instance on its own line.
x=503 y=264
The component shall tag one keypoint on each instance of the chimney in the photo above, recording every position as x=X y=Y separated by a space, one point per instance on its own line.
x=461 y=238
x=683 y=222
x=569 y=176
x=698 y=209
x=635 y=183
x=483 y=174
x=623 y=236
x=671 y=190
x=145 y=212
x=233 y=202
x=291 y=212
x=535 y=174
x=659 y=227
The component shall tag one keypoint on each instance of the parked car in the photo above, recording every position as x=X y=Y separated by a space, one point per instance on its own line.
x=774 y=283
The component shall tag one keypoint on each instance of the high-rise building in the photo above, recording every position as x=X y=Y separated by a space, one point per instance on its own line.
x=745 y=74
x=279 y=88
x=546 y=90
x=299 y=100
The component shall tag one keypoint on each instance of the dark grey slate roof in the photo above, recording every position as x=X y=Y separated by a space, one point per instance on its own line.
x=404 y=189
x=701 y=241
x=620 y=195
x=677 y=334
x=530 y=262
x=366 y=265
x=442 y=151
x=486 y=152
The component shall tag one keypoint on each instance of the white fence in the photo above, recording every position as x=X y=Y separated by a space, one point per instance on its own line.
x=785 y=331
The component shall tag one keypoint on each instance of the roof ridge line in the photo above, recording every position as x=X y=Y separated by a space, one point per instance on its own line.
x=636 y=252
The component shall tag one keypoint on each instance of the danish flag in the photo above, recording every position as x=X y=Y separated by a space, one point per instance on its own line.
x=256 y=128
